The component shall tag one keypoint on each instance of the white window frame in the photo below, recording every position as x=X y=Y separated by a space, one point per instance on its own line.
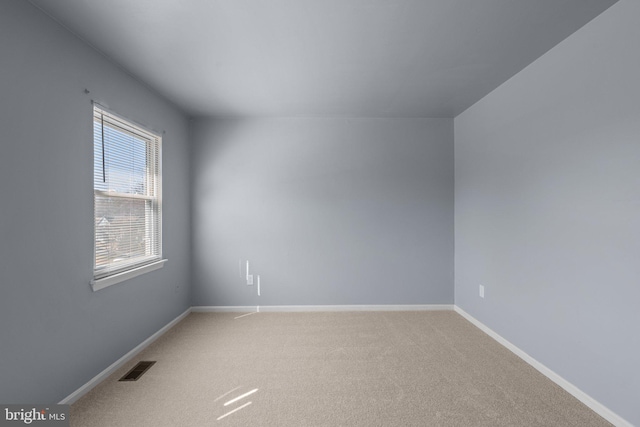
x=104 y=277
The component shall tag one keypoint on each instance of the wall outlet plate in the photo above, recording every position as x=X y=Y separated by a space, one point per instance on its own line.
x=481 y=291
x=250 y=279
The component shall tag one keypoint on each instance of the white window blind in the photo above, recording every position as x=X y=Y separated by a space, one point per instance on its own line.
x=127 y=195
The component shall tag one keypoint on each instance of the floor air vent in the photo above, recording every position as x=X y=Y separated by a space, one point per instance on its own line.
x=137 y=371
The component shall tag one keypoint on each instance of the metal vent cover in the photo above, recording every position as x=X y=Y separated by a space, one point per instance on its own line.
x=136 y=372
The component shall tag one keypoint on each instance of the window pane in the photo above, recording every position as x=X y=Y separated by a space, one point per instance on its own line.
x=121 y=231
x=125 y=160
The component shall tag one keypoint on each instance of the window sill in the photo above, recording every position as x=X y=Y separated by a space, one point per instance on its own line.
x=97 y=284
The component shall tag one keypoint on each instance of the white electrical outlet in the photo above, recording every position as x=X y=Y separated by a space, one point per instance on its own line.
x=481 y=291
x=250 y=279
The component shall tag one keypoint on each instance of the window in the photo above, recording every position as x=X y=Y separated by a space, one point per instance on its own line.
x=127 y=199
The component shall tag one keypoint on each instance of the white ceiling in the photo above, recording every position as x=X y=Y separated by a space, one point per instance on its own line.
x=370 y=58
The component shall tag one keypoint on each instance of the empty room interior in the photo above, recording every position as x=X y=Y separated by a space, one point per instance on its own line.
x=320 y=212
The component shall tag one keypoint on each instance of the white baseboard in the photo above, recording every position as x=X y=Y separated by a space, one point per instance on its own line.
x=583 y=397
x=223 y=309
x=118 y=363
x=301 y=308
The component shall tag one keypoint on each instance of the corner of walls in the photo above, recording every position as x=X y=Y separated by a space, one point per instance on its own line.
x=191 y=203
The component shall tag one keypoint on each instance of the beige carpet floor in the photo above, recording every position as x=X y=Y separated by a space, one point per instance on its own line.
x=430 y=368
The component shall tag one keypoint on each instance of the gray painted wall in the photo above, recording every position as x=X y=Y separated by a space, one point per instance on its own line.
x=55 y=333
x=328 y=211
x=548 y=209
